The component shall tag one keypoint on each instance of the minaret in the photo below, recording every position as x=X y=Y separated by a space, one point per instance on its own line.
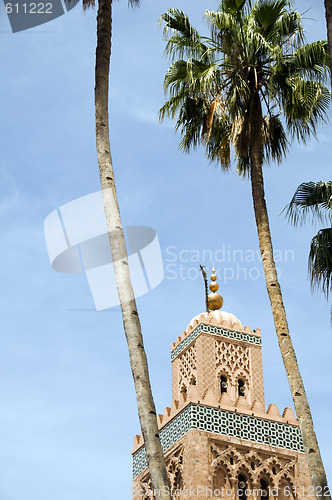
x=218 y=440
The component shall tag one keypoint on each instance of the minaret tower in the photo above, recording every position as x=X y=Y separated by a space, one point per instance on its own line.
x=218 y=440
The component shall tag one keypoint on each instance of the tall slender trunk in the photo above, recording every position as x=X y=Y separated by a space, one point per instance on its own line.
x=317 y=472
x=132 y=327
x=328 y=15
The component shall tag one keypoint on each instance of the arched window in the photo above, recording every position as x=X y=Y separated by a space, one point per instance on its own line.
x=264 y=488
x=223 y=384
x=241 y=387
x=220 y=480
x=242 y=487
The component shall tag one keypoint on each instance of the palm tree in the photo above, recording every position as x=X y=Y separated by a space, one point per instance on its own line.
x=247 y=83
x=315 y=198
x=131 y=323
x=328 y=15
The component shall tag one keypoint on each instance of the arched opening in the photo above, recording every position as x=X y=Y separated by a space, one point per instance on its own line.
x=220 y=480
x=242 y=487
x=264 y=489
x=223 y=384
x=241 y=387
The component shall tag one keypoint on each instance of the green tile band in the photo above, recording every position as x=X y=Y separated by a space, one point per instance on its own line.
x=227 y=423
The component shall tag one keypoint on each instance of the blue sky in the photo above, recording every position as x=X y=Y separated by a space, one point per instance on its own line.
x=68 y=411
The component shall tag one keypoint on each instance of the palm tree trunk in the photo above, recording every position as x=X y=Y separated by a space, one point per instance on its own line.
x=317 y=472
x=132 y=327
x=328 y=15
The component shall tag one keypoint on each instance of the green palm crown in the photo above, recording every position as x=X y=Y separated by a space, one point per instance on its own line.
x=249 y=83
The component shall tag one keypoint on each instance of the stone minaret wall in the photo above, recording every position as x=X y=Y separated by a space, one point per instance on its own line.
x=206 y=359
x=213 y=439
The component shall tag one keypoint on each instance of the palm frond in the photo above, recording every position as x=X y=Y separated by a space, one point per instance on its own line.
x=190 y=122
x=275 y=139
x=305 y=104
x=218 y=140
x=311 y=198
x=183 y=38
x=232 y=6
x=320 y=261
x=220 y=20
x=311 y=60
x=266 y=14
x=87 y=4
x=243 y=165
x=288 y=28
x=173 y=105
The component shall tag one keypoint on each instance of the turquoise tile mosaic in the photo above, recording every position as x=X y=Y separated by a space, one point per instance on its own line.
x=227 y=423
x=216 y=330
x=171 y=433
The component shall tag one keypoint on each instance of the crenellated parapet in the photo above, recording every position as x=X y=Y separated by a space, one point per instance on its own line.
x=227 y=321
x=239 y=408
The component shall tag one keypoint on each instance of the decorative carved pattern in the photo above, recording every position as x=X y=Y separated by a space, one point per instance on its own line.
x=187 y=369
x=232 y=356
x=174 y=469
x=145 y=487
x=206 y=366
x=233 y=360
x=174 y=465
x=257 y=374
x=227 y=462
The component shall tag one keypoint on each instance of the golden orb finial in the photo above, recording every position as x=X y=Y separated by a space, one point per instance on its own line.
x=214 y=299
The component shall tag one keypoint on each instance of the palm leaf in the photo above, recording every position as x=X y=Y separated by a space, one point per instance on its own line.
x=87 y=4
x=183 y=38
x=275 y=139
x=232 y=6
x=320 y=261
x=311 y=198
x=312 y=60
x=266 y=14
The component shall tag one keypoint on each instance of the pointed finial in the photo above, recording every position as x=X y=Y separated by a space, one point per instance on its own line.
x=215 y=300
